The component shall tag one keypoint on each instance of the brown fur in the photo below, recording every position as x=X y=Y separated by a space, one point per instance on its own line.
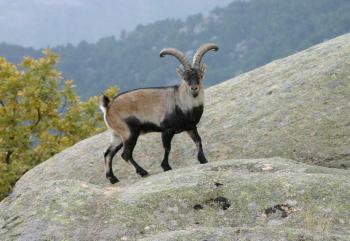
x=135 y=112
x=146 y=105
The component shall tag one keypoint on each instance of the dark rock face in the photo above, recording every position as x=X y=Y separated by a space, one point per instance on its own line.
x=297 y=108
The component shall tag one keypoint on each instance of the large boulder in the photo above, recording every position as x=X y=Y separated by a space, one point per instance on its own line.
x=261 y=199
x=296 y=108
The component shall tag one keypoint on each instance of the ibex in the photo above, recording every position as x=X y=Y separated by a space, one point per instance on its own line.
x=169 y=110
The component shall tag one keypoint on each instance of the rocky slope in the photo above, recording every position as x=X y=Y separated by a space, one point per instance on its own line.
x=296 y=108
x=262 y=199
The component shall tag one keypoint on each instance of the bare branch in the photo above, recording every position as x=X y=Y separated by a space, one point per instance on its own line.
x=38 y=119
x=8 y=156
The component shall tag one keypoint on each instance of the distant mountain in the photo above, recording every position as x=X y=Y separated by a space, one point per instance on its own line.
x=42 y=23
x=249 y=33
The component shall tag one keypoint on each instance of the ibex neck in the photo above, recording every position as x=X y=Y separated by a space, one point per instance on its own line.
x=185 y=99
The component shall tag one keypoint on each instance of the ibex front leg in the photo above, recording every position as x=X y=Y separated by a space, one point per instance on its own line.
x=197 y=139
x=167 y=136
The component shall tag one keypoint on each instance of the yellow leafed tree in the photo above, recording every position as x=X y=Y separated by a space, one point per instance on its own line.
x=39 y=115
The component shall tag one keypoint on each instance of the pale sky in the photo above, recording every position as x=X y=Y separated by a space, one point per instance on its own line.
x=42 y=23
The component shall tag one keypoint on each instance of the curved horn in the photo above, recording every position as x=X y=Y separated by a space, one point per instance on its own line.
x=177 y=54
x=201 y=52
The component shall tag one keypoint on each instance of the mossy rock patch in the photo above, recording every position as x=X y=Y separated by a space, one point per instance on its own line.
x=260 y=199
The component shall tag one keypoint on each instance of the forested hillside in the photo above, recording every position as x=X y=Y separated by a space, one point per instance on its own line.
x=250 y=34
x=42 y=23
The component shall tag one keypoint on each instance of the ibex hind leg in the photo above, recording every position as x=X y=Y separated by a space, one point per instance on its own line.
x=115 y=146
x=129 y=145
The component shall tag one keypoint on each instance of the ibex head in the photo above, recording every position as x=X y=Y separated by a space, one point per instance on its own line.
x=192 y=75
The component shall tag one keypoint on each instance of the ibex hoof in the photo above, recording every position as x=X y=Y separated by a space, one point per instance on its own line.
x=112 y=179
x=143 y=173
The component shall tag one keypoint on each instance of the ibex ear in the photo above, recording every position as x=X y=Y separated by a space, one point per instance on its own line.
x=202 y=70
x=180 y=72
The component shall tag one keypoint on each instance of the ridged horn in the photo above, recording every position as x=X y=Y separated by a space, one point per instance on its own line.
x=201 y=52
x=177 y=54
